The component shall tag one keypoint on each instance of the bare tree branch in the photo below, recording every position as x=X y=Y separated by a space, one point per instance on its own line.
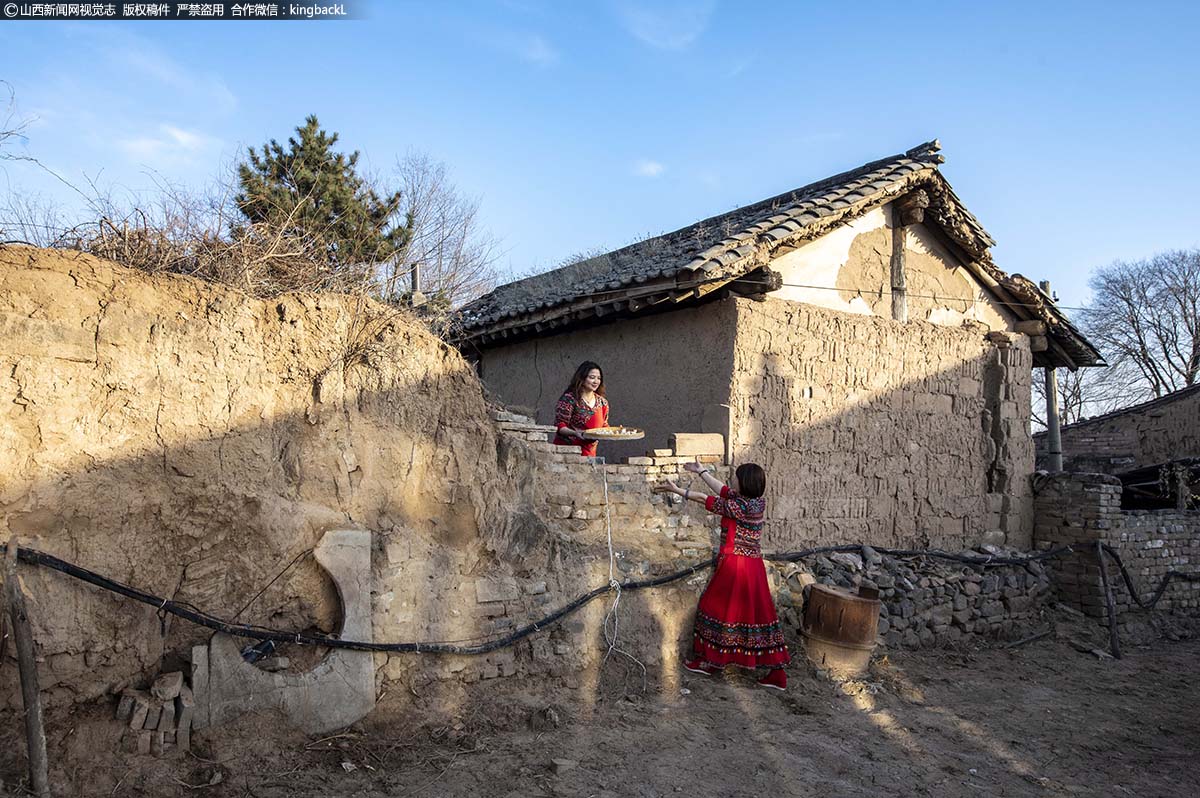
x=456 y=255
x=1146 y=315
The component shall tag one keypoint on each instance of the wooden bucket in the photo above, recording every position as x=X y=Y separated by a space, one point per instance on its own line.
x=840 y=629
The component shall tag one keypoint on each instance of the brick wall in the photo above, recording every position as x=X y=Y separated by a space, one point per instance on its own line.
x=1081 y=509
x=1146 y=434
x=888 y=433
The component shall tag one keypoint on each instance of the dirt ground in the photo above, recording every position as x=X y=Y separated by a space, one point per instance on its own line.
x=1039 y=719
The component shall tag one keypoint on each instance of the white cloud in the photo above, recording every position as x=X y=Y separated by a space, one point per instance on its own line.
x=648 y=168
x=671 y=25
x=147 y=62
x=170 y=145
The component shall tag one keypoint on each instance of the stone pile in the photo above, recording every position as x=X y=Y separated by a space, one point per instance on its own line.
x=925 y=602
x=159 y=719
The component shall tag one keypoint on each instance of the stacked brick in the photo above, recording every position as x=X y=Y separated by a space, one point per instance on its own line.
x=573 y=495
x=1081 y=509
x=158 y=720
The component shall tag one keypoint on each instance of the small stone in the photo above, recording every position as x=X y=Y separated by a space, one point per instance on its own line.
x=141 y=709
x=563 y=765
x=166 y=721
x=152 y=717
x=143 y=742
x=852 y=561
x=490 y=590
x=166 y=687
x=125 y=706
x=273 y=664
x=941 y=614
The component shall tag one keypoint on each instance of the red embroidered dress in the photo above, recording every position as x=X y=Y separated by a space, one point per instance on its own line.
x=575 y=413
x=736 y=622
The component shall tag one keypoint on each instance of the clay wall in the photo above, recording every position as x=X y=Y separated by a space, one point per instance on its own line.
x=849 y=269
x=880 y=432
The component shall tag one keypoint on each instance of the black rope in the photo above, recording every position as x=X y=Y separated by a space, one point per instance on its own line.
x=1162 y=585
x=197 y=616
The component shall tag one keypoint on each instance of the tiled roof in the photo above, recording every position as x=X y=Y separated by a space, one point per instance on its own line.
x=1192 y=391
x=715 y=245
x=695 y=261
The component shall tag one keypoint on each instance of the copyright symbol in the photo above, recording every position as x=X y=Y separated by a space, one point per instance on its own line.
x=10 y=9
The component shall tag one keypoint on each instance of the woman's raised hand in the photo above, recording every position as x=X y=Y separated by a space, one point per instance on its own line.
x=694 y=467
x=666 y=486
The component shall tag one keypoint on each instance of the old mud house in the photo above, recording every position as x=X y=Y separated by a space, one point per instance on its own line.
x=854 y=336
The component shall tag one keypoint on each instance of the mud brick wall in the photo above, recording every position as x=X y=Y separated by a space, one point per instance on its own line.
x=1081 y=509
x=1146 y=434
x=892 y=434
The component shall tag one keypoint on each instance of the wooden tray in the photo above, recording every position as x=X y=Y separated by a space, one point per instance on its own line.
x=613 y=434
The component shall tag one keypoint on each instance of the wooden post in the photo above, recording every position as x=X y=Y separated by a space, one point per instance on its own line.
x=35 y=730
x=1053 y=429
x=899 y=279
x=1109 y=604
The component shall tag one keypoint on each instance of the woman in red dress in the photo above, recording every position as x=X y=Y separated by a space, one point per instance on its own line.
x=736 y=623
x=581 y=407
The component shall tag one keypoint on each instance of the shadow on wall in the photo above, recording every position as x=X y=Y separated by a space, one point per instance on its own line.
x=941 y=459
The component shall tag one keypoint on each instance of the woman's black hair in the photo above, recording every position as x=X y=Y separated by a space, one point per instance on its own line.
x=581 y=373
x=752 y=480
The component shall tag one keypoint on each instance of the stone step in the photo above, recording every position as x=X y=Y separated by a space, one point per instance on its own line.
x=511 y=418
x=508 y=426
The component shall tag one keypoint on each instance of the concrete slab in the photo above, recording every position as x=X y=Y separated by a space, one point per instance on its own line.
x=338 y=691
x=200 y=687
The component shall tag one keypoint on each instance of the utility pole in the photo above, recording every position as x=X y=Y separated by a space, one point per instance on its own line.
x=1053 y=430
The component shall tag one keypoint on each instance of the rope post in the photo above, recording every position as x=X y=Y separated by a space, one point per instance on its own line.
x=35 y=730
x=1109 y=604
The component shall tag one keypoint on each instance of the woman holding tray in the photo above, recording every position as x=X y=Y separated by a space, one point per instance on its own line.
x=582 y=407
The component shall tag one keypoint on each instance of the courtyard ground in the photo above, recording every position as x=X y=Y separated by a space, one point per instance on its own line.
x=1041 y=719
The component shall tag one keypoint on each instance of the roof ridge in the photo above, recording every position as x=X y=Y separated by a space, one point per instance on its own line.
x=927 y=152
x=1173 y=396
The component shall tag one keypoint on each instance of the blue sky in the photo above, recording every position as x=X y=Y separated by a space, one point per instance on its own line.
x=1070 y=129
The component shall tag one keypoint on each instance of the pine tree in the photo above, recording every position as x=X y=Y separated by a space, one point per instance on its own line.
x=309 y=190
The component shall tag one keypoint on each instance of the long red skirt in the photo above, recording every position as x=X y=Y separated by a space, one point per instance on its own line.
x=736 y=622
